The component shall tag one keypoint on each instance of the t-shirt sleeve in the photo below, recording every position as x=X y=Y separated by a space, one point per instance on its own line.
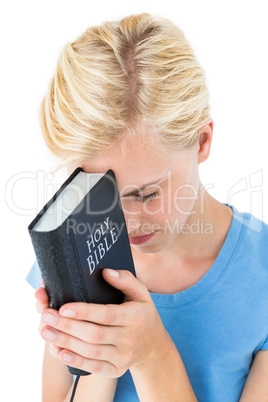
x=34 y=276
x=264 y=345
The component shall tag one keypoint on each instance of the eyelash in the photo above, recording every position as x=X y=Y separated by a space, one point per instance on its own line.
x=148 y=197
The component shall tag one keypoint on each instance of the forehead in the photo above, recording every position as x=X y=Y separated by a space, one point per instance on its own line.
x=141 y=158
x=136 y=163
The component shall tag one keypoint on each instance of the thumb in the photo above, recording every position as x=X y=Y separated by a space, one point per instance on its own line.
x=42 y=302
x=41 y=296
x=125 y=281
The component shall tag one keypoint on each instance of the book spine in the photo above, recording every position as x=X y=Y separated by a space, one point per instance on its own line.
x=50 y=249
x=74 y=283
x=60 y=272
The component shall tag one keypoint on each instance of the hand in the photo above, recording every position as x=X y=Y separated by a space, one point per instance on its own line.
x=108 y=339
x=42 y=299
x=42 y=304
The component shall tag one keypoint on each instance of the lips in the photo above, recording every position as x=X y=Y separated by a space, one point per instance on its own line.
x=140 y=239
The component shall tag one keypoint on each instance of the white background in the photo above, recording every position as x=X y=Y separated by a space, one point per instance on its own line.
x=230 y=41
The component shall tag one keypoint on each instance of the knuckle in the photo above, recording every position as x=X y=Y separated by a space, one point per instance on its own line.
x=94 y=353
x=109 y=316
x=130 y=276
x=83 y=311
x=98 y=366
x=65 y=325
x=64 y=341
x=126 y=314
x=128 y=273
x=96 y=335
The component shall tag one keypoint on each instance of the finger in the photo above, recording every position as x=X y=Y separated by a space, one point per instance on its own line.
x=125 y=281
x=41 y=296
x=104 y=314
x=100 y=367
x=43 y=309
x=42 y=302
x=54 y=350
x=62 y=340
x=40 y=308
x=86 y=331
x=41 y=325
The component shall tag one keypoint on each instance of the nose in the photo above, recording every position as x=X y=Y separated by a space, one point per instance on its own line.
x=133 y=215
x=133 y=224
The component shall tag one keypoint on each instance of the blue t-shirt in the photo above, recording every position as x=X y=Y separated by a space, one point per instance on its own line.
x=220 y=323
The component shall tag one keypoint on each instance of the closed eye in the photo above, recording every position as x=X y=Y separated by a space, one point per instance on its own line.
x=146 y=198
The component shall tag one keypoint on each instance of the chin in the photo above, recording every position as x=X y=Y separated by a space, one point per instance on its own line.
x=149 y=248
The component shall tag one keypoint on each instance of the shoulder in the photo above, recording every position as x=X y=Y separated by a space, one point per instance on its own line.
x=253 y=238
x=254 y=229
x=255 y=232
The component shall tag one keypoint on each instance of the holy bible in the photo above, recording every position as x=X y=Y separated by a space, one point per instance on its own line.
x=80 y=231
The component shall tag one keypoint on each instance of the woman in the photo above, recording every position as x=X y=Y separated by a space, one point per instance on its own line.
x=131 y=96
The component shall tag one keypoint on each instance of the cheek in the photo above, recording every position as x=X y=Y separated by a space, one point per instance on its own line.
x=150 y=215
x=130 y=208
x=153 y=209
x=174 y=204
x=184 y=195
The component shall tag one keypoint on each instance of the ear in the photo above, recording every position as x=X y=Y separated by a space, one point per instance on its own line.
x=205 y=140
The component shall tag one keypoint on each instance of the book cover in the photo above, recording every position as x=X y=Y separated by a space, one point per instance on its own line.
x=80 y=231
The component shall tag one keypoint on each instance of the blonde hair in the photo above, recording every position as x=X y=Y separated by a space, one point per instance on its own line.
x=135 y=75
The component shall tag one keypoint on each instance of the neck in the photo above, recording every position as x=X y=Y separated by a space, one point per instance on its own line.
x=205 y=230
x=196 y=246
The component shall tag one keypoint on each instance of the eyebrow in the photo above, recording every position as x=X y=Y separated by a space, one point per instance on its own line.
x=143 y=187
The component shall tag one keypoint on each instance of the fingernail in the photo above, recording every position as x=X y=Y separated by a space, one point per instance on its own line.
x=49 y=318
x=49 y=335
x=67 y=357
x=113 y=273
x=68 y=313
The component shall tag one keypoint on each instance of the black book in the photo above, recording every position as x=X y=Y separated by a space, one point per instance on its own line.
x=80 y=231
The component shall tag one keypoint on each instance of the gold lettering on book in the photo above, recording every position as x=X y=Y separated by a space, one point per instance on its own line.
x=99 y=243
